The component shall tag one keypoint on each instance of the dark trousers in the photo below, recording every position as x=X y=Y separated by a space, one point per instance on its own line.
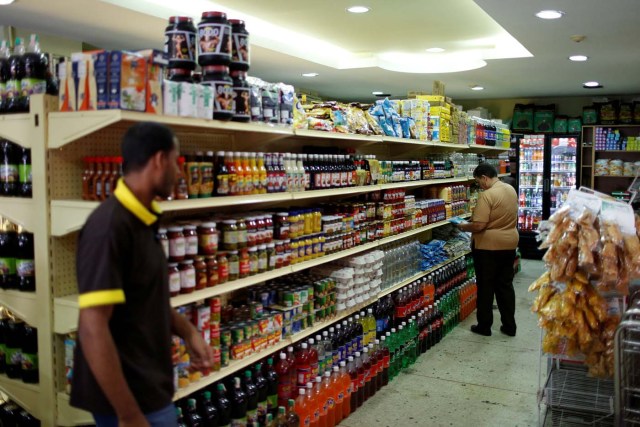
x=494 y=275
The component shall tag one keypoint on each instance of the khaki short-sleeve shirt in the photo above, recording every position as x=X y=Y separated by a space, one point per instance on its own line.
x=498 y=207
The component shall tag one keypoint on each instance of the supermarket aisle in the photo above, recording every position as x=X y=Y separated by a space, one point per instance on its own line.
x=468 y=379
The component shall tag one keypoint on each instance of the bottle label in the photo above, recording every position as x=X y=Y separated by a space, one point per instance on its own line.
x=240 y=54
x=208 y=242
x=359 y=342
x=262 y=263
x=281 y=184
x=315 y=369
x=230 y=237
x=304 y=376
x=24 y=174
x=12 y=89
x=214 y=39
x=244 y=267
x=234 y=268
x=307 y=420
x=191 y=247
x=177 y=247
x=241 y=103
x=13 y=356
x=284 y=389
x=29 y=86
x=239 y=422
x=317 y=180
x=233 y=184
x=180 y=45
x=25 y=267
x=9 y=173
x=29 y=362
x=263 y=407
x=222 y=187
x=343 y=352
x=331 y=403
x=188 y=279
x=223 y=92
x=336 y=357
x=7 y=266
x=206 y=186
x=340 y=397
x=174 y=282
x=272 y=401
x=252 y=415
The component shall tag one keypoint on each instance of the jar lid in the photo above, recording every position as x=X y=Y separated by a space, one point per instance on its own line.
x=229 y=221
x=198 y=258
x=162 y=230
x=233 y=252
x=175 y=229
x=173 y=264
x=208 y=225
x=283 y=214
x=215 y=69
x=262 y=247
x=175 y=19
x=271 y=245
x=253 y=249
x=214 y=14
x=187 y=261
x=236 y=21
x=190 y=227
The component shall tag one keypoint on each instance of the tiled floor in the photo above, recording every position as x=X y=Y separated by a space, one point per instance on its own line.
x=467 y=379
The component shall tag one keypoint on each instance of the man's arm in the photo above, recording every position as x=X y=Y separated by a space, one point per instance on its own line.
x=201 y=354
x=102 y=356
x=473 y=227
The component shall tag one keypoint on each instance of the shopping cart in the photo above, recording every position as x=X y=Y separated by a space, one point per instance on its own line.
x=627 y=365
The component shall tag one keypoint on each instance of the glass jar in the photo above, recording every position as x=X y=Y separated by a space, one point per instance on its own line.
x=202 y=277
x=174 y=279
x=268 y=223
x=286 y=260
x=164 y=241
x=294 y=251
x=207 y=238
x=187 y=276
x=234 y=266
x=253 y=260
x=263 y=258
x=260 y=230
x=242 y=233
x=308 y=248
x=230 y=235
x=279 y=249
x=252 y=231
x=212 y=271
x=177 y=244
x=223 y=268
x=272 y=256
x=317 y=221
x=191 y=240
x=301 y=250
x=244 y=264
x=308 y=222
x=282 y=226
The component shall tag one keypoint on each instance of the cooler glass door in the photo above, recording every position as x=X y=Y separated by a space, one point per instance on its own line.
x=530 y=182
x=563 y=169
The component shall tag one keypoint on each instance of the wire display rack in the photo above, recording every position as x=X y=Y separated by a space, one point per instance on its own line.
x=627 y=366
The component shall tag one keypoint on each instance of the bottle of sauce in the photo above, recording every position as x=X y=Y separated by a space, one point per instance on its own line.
x=262 y=173
x=177 y=244
x=252 y=398
x=105 y=179
x=202 y=276
x=224 y=406
x=206 y=172
x=4 y=72
x=213 y=277
x=8 y=243
x=234 y=265
x=255 y=173
x=25 y=266
x=223 y=268
x=187 y=276
x=244 y=264
x=221 y=175
x=174 y=279
x=181 y=191
x=240 y=173
x=283 y=371
x=30 y=371
x=272 y=387
x=208 y=411
x=192 y=172
x=24 y=173
x=87 y=177
x=96 y=182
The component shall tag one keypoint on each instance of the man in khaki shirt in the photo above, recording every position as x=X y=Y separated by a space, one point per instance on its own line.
x=495 y=239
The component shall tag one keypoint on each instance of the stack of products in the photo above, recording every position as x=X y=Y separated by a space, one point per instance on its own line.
x=17 y=267
x=11 y=414
x=616 y=167
x=592 y=256
x=15 y=170
x=400 y=261
x=19 y=344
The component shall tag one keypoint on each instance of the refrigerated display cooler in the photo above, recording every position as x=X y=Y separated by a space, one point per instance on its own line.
x=547 y=170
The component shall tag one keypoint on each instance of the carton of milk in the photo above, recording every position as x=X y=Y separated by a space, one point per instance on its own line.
x=127 y=81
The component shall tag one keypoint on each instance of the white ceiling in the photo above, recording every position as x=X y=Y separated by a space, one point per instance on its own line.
x=480 y=27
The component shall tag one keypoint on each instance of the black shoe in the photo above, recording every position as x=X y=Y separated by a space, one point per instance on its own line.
x=476 y=330
x=507 y=332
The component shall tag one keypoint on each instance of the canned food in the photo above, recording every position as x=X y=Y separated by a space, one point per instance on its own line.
x=237 y=334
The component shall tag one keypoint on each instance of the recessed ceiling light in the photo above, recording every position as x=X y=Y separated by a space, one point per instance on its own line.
x=310 y=74
x=376 y=92
x=435 y=50
x=550 y=14
x=358 y=9
x=592 y=85
x=477 y=87
x=578 y=58
x=6 y=2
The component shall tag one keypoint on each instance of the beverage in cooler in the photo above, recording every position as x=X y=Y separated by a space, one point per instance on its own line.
x=530 y=182
x=563 y=170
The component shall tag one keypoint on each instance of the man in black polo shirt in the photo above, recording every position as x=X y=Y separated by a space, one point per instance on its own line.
x=123 y=372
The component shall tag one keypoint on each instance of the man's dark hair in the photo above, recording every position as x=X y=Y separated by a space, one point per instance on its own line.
x=485 y=169
x=142 y=141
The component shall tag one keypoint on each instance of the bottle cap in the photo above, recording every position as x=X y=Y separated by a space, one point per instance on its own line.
x=302 y=392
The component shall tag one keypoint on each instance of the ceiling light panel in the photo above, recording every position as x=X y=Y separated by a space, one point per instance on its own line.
x=310 y=74
x=550 y=14
x=591 y=84
x=435 y=50
x=578 y=58
x=358 y=9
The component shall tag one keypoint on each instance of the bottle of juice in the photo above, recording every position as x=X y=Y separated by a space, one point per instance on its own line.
x=262 y=173
x=206 y=173
x=238 y=404
x=180 y=421
x=87 y=177
x=386 y=357
x=293 y=419
x=313 y=405
x=251 y=391
x=282 y=417
x=181 y=190
x=30 y=371
x=345 y=382
x=352 y=370
x=313 y=359
x=318 y=393
x=255 y=173
x=329 y=395
x=303 y=365
x=240 y=173
x=272 y=387
x=221 y=175
x=303 y=409
x=338 y=392
x=283 y=370
x=224 y=407
x=194 y=176
x=4 y=72
x=96 y=182
x=36 y=66
x=14 y=100
x=233 y=176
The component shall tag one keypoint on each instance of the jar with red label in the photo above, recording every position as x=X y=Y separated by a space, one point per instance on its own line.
x=177 y=244
x=286 y=244
x=187 y=276
x=212 y=271
x=244 y=264
x=279 y=249
x=242 y=233
x=191 y=240
x=268 y=225
x=202 y=277
x=223 y=268
x=252 y=231
x=282 y=226
x=207 y=238
x=164 y=241
x=174 y=279
x=260 y=230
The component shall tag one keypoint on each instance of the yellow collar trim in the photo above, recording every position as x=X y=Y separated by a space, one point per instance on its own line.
x=133 y=205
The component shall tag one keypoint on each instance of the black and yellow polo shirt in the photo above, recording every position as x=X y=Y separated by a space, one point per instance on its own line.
x=120 y=262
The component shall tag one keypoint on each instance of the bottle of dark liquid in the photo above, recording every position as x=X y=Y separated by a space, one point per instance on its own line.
x=4 y=323
x=221 y=175
x=262 y=387
x=9 y=413
x=13 y=355
x=25 y=266
x=208 y=411
x=25 y=419
x=36 y=67
x=15 y=100
x=238 y=404
x=272 y=387
x=8 y=238
x=25 y=186
x=223 y=405
x=181 y=422
x=9 y=176
x=192 y=418
x=4 y=72
x=30 y=370
x=251 y=391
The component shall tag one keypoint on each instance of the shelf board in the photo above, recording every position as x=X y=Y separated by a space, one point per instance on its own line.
x=520 y=208
x=611 y=126
x=449 y=145
x=614 y=176
x=19 y=128
x=19 y=211
x=617 y=151
x=308 y=133
x=475 y=148
x=396 y=140
x=28 y=396
x=65 y=314
x=24 y=305
x=65 y=128
x=338 y=255
x=70 y=416
x=333 y=192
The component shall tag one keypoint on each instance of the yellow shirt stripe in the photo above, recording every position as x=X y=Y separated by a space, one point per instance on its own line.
x=98 y=298
x=132 y=204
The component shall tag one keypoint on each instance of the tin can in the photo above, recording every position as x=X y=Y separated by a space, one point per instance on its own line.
x=237 y=334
